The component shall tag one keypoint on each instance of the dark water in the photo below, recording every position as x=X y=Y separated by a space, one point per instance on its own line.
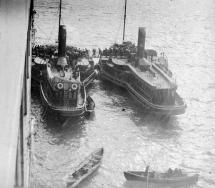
x=184 y=30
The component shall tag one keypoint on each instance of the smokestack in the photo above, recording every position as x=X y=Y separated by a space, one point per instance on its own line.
x=62 y=41
x=141 y=43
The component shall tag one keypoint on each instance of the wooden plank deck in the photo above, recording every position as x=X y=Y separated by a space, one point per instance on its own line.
x=14 y=17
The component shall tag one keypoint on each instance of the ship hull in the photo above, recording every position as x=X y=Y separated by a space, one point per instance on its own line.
x=169 y=110
x=63 y=111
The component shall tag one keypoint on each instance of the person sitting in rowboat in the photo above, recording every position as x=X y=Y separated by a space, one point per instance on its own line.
x=83 y=170
x=177 y=172
x=169 y=172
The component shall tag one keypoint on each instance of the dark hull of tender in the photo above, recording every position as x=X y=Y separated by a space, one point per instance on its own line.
x=86 y=168
x=36 y=72
x=158 y=109
x=136 y=176
x=63 y=111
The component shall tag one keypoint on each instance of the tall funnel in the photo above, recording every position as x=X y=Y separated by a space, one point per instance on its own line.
x=62 y=41
x=141 y=43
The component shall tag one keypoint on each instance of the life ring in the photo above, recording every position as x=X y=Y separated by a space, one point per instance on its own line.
x=74 y=86
x=60 y=86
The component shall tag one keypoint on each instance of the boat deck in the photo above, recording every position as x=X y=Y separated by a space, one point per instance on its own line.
x=151 y=76
x=64 y=75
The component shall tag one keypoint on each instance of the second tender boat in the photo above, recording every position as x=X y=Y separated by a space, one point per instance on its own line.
x=145 y=76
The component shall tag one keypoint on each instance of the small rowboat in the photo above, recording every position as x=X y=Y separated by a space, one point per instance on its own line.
x=153 y=177
x=86 y=168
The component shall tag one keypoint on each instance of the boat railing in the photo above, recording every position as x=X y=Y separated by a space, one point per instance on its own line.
x=89 y=79
x=140 y=92
x=159 y=106
x=161 y=71
x=125 y=77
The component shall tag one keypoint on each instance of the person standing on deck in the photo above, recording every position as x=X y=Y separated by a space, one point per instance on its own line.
x=94 y=52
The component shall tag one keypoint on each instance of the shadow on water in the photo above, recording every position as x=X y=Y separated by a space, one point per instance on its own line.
x=141 y=117
x=65 y=131
x=157 y=130
x=154 y=124
x=59 y=130
x=116 y=95
x=109 y=87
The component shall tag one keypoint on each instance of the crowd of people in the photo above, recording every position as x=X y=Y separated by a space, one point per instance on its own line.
x=170 y=172
x=126 y=49
x=43 y=51
x=176 y=172
x=48 y=51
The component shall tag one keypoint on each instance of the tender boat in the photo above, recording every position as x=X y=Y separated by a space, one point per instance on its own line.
x=86 y=168
x=63 y=76
x=145 y=76
x=75 y=56
x=61 y=88
x=162 y=178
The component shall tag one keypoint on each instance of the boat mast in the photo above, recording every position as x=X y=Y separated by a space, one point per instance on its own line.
x=60 y=12
x=124 y=20
x=59 y=20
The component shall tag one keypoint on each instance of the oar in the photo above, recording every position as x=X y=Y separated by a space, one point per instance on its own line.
x=147 y=182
